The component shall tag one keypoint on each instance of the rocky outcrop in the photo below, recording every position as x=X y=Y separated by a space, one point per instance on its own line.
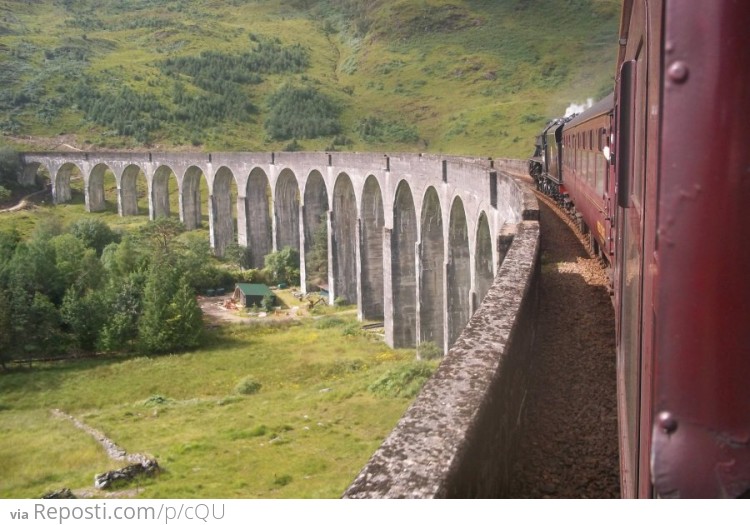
x=65 y=493
x=127 y=474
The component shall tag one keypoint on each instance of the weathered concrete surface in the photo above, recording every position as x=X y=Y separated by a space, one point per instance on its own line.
x=459 y=436
x=371 y=250
x=432 y=317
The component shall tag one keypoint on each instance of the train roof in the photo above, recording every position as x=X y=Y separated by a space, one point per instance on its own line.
x=604 y=106
x=555 y=128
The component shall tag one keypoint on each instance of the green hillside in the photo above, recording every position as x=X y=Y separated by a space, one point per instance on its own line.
x=455 y=76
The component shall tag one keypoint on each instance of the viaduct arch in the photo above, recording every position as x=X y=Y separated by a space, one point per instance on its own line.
x=412 y=239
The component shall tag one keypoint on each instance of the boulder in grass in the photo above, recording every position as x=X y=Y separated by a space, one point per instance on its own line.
x=148 y=467
x=60 y=494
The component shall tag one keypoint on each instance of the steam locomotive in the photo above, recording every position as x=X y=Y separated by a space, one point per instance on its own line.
x=657 y=174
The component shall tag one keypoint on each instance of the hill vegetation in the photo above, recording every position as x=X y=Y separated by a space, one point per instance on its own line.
x=454 y=76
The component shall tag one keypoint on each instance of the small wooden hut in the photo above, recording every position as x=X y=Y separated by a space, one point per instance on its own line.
x=246 y=294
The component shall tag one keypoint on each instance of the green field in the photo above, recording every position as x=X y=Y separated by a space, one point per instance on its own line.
x=305 y=434
x=455 y=76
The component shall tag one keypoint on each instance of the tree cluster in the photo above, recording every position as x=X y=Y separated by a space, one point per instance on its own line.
x=207 y=109
x=131 y=113
x=213 y=71
x=208 y=89
x=282 y=266
x=301 y=113
x=87 y=289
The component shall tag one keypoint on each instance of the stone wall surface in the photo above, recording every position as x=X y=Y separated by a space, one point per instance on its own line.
x=459 y=437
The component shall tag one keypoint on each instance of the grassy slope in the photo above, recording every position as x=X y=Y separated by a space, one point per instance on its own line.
x=307 y=433
x=473 y=76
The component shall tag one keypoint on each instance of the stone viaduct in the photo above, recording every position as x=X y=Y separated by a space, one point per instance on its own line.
x=412 y=239
x=442 y=249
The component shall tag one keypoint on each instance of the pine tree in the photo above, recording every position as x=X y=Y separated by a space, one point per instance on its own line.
x=171 y=319
x=124 y=304
x=153 y=330
x=186 y=318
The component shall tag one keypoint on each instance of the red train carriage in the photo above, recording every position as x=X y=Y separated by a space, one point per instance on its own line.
x=586 y=172
x=669 y=215
x=682 y=255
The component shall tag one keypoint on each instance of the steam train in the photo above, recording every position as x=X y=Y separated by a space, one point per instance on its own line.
x=658 y=175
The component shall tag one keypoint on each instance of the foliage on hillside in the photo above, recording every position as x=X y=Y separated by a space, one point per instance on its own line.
x=457 y=76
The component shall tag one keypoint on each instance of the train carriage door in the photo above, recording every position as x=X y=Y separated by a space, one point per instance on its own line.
x=631 y=163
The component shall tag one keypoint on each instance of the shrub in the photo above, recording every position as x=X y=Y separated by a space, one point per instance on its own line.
x=267 y=302
x=403 y=381
x=10 y=164
x=4 y=194
x=341 y=367
x=258 y=431
x=351 y=328
x=156 y=400
x=429 y=351
x=282 y=481
x=328 y=322
x=293 y=146
x=248 y=386
x=374 y=130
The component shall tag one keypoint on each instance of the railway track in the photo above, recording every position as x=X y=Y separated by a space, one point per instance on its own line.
x=569 y=448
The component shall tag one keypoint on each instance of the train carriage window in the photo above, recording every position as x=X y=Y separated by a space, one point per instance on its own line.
x=601 y=170
x=638 y=151
x=585 y=167
x=630 y=168
x=570 y=154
